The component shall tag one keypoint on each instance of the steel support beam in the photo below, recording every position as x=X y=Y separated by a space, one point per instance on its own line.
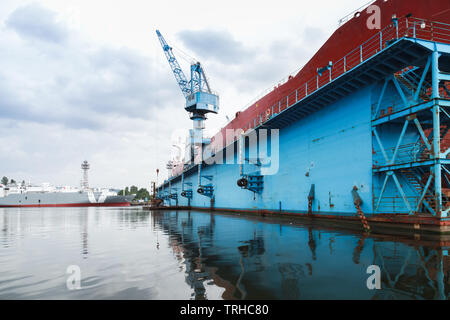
x=422 y=133
x=444 y=76
x=435 y=74
x=400 y=92
x=400 y=139
x=382 y=190
x=400 y=189
x=422 y=79
x=436 y=132
x=425 y=163
x=374 y=129
x=381 y=97
x=437 y=155
x=425 y=190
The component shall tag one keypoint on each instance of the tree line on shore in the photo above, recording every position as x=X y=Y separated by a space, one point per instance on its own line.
x=140 y=194
x=5 y=181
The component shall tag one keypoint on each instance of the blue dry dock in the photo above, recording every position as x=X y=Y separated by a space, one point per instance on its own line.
x=367 y=147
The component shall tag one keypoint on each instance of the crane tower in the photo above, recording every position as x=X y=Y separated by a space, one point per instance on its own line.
x=200 y=100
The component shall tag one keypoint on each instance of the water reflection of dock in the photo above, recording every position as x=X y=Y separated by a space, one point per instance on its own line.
x=258 y=259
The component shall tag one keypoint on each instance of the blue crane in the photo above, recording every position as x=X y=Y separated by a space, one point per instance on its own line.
x=176 y=69
x=200 y=100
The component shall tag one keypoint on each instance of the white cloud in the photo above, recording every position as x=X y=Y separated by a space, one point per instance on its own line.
x=218 y=45
x=35 y=21
x=87 y=79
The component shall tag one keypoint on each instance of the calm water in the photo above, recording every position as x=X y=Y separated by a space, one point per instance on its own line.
x=134 y=254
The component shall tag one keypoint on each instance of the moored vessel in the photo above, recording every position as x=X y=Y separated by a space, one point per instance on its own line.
x=45 y=195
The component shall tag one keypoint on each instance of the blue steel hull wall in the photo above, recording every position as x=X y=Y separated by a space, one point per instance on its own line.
x=331 y=149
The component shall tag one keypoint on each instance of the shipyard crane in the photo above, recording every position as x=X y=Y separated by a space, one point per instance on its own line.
x=200 y=100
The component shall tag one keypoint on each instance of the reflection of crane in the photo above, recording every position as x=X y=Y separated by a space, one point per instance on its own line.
x=200 y=100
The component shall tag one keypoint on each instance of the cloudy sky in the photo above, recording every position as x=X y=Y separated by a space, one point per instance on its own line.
x=87 y=79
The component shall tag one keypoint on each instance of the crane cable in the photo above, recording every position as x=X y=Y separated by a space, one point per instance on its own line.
x=185 y=56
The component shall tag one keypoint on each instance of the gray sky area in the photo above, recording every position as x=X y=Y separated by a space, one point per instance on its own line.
x=87 y=79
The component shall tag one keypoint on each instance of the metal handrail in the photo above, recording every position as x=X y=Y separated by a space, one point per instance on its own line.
x=353 y=13
x=410 y=152
x=266 y=91
x=394 y=203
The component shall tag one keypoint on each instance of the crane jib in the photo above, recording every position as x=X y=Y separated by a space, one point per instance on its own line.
x=199 y=97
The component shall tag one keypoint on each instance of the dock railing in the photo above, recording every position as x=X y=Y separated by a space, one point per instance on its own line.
x=394 y=204
x=406 y=153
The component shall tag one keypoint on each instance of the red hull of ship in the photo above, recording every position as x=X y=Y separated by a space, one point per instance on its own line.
x=119 y=204
x=335 y=48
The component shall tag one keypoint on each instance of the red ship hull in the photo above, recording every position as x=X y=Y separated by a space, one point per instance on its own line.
x=119 y=204
x=336 y=47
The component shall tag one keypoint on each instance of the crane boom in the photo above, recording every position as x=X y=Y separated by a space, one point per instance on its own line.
x=200 y=100
x=176 y=69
